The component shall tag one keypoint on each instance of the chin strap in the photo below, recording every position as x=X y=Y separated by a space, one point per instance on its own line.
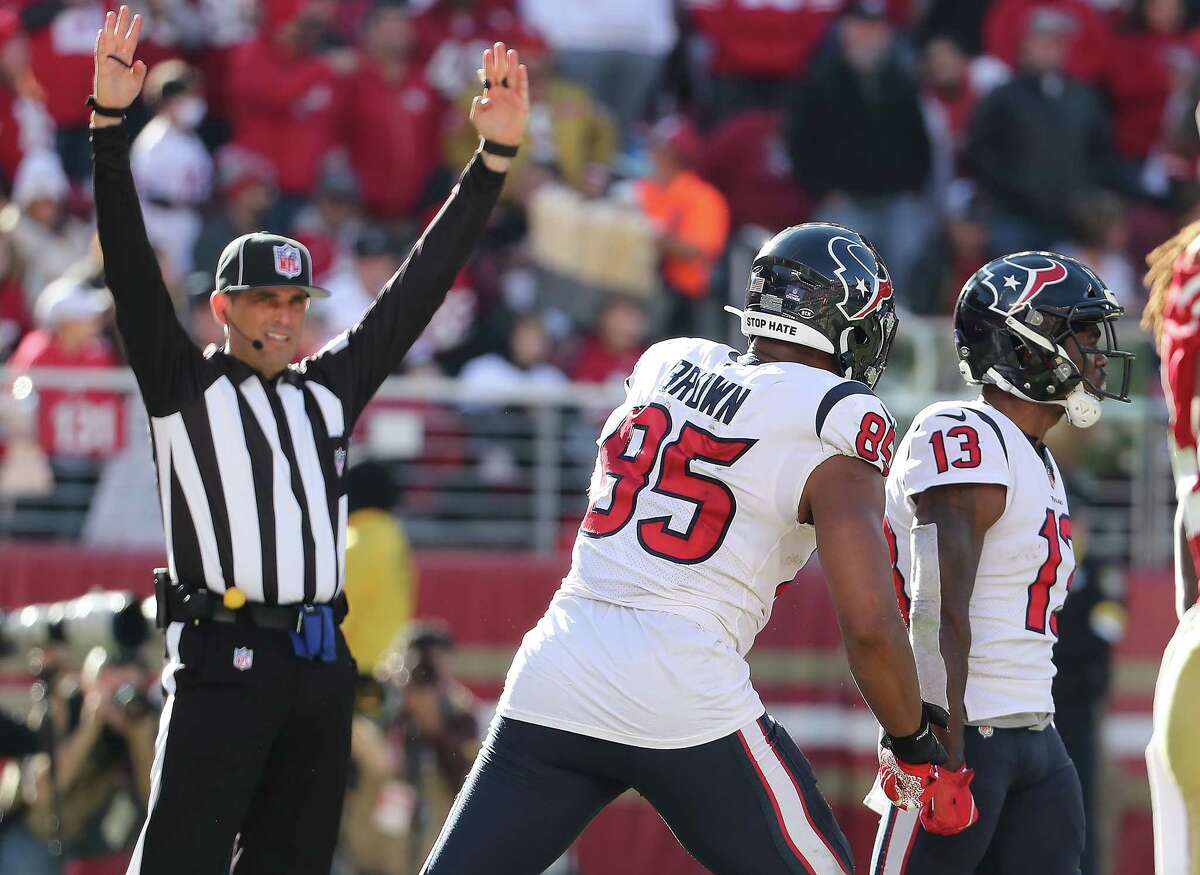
x=1083 y=408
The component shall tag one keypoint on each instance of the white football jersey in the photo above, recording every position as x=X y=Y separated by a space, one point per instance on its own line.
x=690 y=532
x=1027 y=560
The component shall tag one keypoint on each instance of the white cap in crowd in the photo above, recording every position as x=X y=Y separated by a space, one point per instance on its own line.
x=67 y=299
x=40 y=176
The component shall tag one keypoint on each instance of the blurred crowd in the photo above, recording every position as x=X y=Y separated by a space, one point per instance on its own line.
x=75 y=767
x=662 y=134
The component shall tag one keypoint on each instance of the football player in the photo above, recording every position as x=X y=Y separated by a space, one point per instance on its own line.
x=981 y=535
x=715 y=481
x=1173 y=757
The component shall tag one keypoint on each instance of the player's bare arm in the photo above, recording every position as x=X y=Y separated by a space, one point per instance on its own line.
x=844 y=499
x=962 y=515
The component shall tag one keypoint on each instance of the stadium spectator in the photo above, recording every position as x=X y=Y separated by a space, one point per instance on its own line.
x=381 y=578
x=571 y=137
x=288 y=100
x=692 y=221
x=62 y=37
x=525 y=362
x=1090 y=624
x=25 y=126
x=391 y=102
x=46 y=238
x=247 y=184
x=1153 y=56
x=103 y=766
x=755 y=50
x=1042 y=112
x=333 y=220
x=201 y=325
x=859 y=143
x=1100 y=239
x=441 y=735
x=959 y=20
x=746 y=159
x=450 y=34
x=949 y=91
x=73 y=423
x=377 y=251
x=172 y=168
x=1086 y=33
x=608 y=354
x=377 y=814
x=15 y=317
x=615 y=49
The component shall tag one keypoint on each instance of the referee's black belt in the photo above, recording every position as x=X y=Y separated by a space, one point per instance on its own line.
x=187 y=603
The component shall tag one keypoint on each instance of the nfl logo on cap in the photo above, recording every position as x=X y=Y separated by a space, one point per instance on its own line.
x=265 y=260
x=287 y=260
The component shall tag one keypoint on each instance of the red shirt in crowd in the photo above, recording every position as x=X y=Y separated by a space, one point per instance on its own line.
x=73 y=423
x=11 y=147
x=770 y=40
x=1007 y=23
x=1138 y=81
x=287 y=108
x=394 y=131
x=62 y=55
x=445 y=24
x=597 y=362
x=745 y=158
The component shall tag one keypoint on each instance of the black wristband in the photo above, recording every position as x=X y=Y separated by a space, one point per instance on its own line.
x=922 y=746
x=107 y=111
x=503 y=151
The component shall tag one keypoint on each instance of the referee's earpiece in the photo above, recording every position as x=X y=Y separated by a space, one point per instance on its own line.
x=228 y=322
x=254 y=341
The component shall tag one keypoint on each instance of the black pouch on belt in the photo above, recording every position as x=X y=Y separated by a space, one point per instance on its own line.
x=162 y=583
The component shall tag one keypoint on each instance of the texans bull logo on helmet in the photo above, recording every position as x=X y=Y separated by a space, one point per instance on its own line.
x=1029 y=279
x=842 y=250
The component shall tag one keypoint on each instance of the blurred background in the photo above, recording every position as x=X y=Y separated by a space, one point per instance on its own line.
x=668 y=139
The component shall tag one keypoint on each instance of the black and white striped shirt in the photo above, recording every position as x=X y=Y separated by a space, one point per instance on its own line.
x=251 y=471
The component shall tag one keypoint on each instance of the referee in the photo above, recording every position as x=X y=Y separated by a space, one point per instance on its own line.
x=254 y=742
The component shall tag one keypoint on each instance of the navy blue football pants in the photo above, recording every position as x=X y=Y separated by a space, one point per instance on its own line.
x=745 y=804
x=1030 y=814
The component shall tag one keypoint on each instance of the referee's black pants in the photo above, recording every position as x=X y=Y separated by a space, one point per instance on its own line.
x=253 y=745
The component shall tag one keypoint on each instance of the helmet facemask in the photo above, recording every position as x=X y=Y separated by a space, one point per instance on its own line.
x=1047 y=374
x=866 y=345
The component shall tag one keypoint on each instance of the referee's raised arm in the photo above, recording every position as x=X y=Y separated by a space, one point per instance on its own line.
x=358 y=361
x=167 y=364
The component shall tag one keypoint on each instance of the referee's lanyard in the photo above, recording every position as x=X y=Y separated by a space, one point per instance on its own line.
x=314 y=636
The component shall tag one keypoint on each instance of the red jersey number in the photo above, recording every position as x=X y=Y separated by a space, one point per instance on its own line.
x=628 y=456
x=1057 y=532
x=876 y=441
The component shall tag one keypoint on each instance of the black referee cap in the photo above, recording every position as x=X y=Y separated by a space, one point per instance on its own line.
x=265 y=259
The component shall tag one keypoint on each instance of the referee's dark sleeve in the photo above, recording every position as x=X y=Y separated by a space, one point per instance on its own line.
x=355 y=364
x=168 y=366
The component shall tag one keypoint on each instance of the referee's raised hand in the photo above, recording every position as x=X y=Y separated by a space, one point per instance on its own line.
x=119 y=77
x=502 y=111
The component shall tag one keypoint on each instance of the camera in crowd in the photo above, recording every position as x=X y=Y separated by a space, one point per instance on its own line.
x=117 y=621
x=429 y=644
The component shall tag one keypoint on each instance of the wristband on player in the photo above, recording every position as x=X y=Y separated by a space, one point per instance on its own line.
x=922 y=746
x=498 y=149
